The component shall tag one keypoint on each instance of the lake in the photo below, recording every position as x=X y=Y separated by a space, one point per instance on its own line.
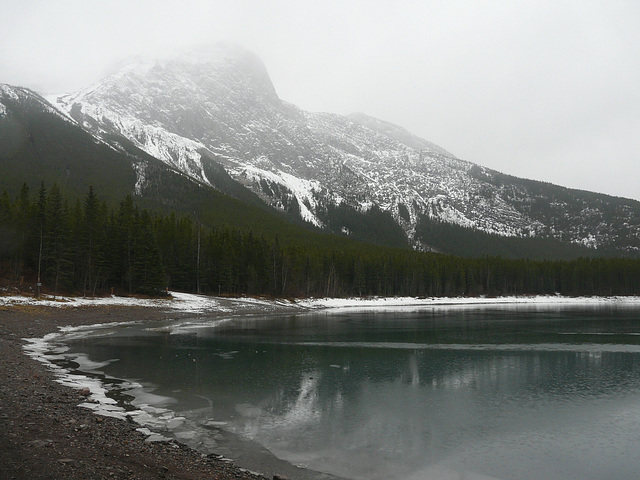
x=432 y=393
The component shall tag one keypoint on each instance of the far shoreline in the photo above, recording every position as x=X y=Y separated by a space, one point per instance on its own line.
x=190 y=303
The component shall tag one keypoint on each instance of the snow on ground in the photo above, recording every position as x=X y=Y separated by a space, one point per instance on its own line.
x=63 y=302
x=179 y=301
x=387 y=302
x=192 y=303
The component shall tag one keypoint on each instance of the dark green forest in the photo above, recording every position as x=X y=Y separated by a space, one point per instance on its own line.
x=90 y=247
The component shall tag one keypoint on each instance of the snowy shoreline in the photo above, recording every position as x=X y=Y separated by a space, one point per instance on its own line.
x=199 y=304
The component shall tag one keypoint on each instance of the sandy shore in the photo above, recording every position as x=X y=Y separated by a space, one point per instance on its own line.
x=44 y=434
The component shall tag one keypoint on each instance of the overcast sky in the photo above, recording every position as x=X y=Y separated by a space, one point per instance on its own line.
x=548 y=90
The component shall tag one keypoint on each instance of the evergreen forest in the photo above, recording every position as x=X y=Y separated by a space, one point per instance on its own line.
x=89 y=247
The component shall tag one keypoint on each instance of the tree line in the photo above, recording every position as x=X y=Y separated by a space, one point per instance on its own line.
x=90 y=247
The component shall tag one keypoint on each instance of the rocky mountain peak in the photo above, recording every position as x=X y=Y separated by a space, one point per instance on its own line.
x=213 y=107
x=184 y=89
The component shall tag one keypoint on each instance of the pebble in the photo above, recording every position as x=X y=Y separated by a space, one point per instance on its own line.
x=39 y=443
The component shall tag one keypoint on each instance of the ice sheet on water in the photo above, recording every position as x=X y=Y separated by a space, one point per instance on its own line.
x=150 y=413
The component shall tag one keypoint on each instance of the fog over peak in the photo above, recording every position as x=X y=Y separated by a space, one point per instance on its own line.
x=543 y=90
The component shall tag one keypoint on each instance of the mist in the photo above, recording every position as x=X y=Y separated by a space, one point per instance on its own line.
x=541 y=90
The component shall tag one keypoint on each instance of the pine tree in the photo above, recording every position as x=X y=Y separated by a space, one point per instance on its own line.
x=125 y=226
x=56 y=240
x=148 y=273
x=91 y=238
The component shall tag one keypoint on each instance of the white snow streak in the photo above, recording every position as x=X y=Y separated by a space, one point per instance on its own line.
x=192 y=303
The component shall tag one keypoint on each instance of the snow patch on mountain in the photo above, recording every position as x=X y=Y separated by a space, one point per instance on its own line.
x=303 y=190
x=180 y=153
x=9 y=91
x=20 y=93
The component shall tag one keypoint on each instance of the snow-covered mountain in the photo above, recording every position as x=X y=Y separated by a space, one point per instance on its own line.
x=217 y=106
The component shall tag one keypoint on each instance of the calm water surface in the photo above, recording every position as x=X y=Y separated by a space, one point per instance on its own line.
x=491 y=393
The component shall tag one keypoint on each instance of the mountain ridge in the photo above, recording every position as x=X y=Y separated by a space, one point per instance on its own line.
x=195 y=114
x=397 y=132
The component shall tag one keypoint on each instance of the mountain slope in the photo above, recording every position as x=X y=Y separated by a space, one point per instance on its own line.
x=218 y=106
x=38 y=143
